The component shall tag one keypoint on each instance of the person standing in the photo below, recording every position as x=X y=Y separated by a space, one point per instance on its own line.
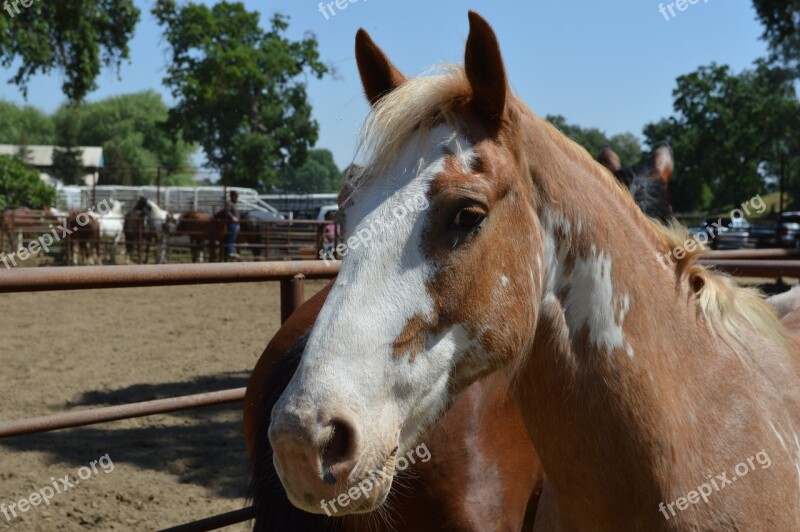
x=232 y=219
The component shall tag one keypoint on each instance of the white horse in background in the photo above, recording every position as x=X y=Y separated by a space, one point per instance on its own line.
x=111 y=232
x=147 y=224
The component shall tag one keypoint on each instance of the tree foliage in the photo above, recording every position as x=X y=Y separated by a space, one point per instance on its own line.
x=75 y=38
x=21 y=186
x=25 y=125
x=239 y=88
x=318 y=174
x=131 y=129
x=68 y=157
x=727 y=133
x=781 y=20
x=593 y=140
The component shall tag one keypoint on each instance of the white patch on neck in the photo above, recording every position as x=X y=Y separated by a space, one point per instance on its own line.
x=590 y=299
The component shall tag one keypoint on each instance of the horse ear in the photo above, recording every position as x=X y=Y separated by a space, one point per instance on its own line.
x=485 y=71
x=609 y=158
x=663 y=162
x=378 y=75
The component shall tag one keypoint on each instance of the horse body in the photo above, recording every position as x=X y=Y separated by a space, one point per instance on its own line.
x=85 y=236
x=110 y=229
x=482 y=472
x=252 y=235
x=203 y=232
x=148 y=224
x=638 y=383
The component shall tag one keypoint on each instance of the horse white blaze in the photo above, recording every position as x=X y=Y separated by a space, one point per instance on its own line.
x=351 y=367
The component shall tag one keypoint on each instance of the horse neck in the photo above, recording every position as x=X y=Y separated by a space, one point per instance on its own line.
x=612 y=337
x=157 y=213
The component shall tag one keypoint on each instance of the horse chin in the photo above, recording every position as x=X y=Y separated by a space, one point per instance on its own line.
x=366 y=492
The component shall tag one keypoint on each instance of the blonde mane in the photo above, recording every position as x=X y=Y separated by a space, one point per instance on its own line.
x=731 y=310
x=423 y=102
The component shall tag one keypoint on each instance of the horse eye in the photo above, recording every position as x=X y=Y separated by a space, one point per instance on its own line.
x=468 y=219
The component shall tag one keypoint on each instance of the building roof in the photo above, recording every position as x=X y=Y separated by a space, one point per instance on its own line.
x=42 y=156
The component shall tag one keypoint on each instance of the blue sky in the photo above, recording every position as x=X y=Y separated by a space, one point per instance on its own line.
x=607 y=64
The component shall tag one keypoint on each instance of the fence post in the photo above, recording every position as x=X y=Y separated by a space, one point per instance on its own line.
x=292 y=295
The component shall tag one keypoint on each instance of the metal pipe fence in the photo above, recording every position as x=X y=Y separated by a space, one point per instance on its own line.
x=291 y=275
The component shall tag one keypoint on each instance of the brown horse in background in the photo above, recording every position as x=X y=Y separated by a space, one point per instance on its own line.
x=483 y=473
x=205 y=232
x=85 y=237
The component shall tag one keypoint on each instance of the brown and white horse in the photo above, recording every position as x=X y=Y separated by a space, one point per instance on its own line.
x=638 y=383
x=478 y=451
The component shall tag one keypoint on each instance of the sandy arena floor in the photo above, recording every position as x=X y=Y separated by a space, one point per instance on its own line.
x=73 y=350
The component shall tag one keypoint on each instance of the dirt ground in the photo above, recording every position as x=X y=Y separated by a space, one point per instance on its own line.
x=62 y=351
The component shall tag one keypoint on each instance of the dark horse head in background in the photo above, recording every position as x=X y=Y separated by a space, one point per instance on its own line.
x=646 y=183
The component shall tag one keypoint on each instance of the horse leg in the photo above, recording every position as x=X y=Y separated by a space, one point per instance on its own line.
x=146 y=249
x=114 y=249
x=164 y=259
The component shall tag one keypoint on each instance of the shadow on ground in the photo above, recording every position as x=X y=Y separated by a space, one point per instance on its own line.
x=202 y=446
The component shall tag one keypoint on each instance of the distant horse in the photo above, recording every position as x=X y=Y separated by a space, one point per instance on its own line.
x=647 y=184
x=479 y=451
x=205 y=231
x=147 y=224
x=251 y=234
x=111 y=229
x=637 y=382
x=84 y=237
x=10 y=221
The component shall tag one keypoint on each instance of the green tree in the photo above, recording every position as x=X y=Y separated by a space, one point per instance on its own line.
x=21 y=186
x=25 y=125
x=239 y=88
x=68 y=157
x=318 y=174
x=724 y=133
x=593 y=140
x=131 y=129
x=781 y=20
x=76 y=38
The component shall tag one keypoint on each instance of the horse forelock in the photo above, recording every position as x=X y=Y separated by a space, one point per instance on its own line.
x=416 y=106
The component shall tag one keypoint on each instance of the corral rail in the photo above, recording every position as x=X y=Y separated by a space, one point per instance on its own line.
x=291 y=274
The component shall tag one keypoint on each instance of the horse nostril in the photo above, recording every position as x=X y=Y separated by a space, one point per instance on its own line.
x=340 y=446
